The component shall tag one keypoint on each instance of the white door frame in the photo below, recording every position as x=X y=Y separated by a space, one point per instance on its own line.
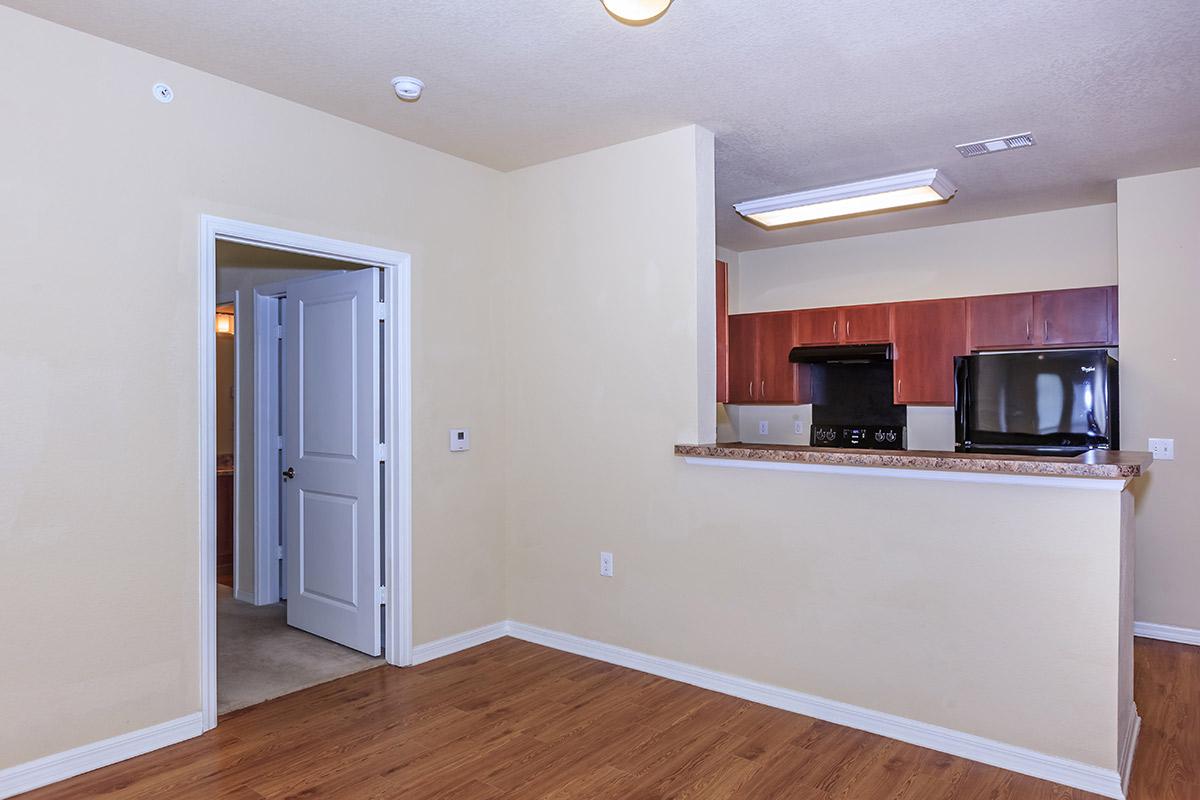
x=397 y=422
x=234 y=299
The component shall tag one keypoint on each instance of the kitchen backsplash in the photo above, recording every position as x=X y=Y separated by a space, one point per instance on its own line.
x=929 y=427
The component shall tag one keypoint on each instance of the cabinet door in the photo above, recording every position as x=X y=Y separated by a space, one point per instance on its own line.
x=1074 y=316
x=743 y=358
x=929 y=334
x=1002 y=320
x=722 y=332
x=777 y=379
x=866 y=324
x=817 y=326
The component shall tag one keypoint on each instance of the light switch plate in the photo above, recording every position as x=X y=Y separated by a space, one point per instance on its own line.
x=460 y=439
x=1162 y=449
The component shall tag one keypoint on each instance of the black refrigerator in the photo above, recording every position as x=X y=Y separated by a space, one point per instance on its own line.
x=1050 y=402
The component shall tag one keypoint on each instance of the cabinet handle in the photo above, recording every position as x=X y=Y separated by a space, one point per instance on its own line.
x=763 y=389
x=899 y=387
x=847 y=329
x=1045 y=329
x=835 y=330
x=1028 y=331
x=751 y=390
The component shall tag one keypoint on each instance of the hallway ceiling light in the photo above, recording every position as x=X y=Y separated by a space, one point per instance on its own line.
x=912 y=189
x=636 y=12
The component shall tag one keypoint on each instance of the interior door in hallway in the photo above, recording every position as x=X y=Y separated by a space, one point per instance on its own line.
x=332 y=475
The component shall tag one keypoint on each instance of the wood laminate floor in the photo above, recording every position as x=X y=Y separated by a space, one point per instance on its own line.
x=514 y=720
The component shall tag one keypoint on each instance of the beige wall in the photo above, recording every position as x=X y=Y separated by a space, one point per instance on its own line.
x=100 y=198
x=1050 y=250
x=938 y=602
x=1158 y=219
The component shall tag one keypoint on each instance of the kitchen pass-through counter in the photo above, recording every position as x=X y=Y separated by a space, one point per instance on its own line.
x=1097 y=464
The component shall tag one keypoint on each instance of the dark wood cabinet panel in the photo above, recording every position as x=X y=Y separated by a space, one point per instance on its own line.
x=1002 y=320
x=722 y=332
x=1072 y=316
x=817 y=326
x=777 y=380
x=743 y=358
x=866 y=324
x=928 y=335
x=1114 y=330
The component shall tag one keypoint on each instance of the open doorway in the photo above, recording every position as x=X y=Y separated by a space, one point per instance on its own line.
x=305 y=569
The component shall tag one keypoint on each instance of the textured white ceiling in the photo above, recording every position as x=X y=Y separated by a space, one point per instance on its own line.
x=799 y=94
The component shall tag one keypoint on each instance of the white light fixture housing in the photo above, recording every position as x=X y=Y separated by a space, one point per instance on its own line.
x=924 y=187
x=408 y=88
x=636 y=12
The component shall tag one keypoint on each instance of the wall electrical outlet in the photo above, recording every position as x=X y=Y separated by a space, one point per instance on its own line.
x=1162 y=449
x=762 y=427
x=606 y=565
x=798 y=428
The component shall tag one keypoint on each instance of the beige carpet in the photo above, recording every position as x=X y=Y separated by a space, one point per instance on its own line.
x=260 y=657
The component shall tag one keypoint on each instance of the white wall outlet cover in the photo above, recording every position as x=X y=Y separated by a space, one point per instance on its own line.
x=763 y=428
x=1162 y=449
x=798 y=428
x=163 y=93
x=606 y=565
x=460 y=439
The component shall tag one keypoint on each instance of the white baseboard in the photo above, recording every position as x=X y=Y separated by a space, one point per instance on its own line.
x=60 y=766
x=1107 y=782
x=1128 y=748
x=246 y=597
x=1168 y=633
x=459 y=641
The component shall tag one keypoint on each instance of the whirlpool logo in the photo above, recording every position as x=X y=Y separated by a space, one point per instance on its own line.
x=1087 y=369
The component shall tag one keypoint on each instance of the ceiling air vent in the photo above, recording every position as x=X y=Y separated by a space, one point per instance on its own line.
x=995 y=145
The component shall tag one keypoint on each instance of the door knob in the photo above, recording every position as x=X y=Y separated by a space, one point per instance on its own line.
x=289 y=473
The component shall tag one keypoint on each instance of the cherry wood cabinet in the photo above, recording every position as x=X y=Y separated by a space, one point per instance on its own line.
x=722 y=332
x=865 y=324
x=928 y=335
x=817 y=326
x=1072 y=317
x=759 y=369
x=1002 y=320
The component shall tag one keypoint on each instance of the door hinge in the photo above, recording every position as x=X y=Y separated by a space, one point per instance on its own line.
x=381 y=452
x=278 y=331
x=279 y=552
x=278 y=442
x=380 y=311
x=381 y=595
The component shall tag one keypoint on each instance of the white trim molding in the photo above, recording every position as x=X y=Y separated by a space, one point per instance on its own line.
x=397 y=522
x=1168 y=633
x=60 y=766
x=1045 y=481
x=459 y=641
x=1106 y=782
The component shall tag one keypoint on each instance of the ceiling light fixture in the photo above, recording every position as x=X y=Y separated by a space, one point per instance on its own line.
x=407 y=88
x=636 y=12
x=909 y=190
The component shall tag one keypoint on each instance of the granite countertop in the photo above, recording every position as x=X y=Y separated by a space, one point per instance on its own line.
x=1116 y=464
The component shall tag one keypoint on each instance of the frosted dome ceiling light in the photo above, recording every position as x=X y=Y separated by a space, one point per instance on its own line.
x=407 y=88
x=636 y=12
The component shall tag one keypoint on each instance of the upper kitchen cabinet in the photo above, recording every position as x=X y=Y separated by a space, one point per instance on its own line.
x=817 y=326
x=866 y=324
x=928 y=335
x=1073 y=316
x=1001 y=321
x=759 y=369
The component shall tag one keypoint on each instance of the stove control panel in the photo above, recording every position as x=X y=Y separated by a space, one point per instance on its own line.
x=867 y=437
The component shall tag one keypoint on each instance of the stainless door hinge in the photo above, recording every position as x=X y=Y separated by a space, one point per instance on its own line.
x=381 y=595
x=381 y=452
x=381 y=311
x=278 y=331
x=279 y=552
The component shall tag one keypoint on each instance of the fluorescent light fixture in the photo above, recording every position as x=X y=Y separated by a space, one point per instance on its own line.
x=636 y=12
x=920 y=188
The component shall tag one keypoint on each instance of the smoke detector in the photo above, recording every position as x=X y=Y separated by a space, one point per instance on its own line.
x=407 y=88
x=1001 y=143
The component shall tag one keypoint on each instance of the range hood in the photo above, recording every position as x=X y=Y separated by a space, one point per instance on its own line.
x=841 y=354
